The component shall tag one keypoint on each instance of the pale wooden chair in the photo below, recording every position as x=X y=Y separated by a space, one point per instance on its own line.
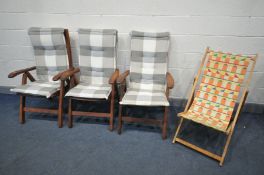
x=222 y=80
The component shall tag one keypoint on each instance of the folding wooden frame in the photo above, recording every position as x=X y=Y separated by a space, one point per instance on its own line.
x=26 y=75
x=111 y=99
x=162 y=123
x=232 y=123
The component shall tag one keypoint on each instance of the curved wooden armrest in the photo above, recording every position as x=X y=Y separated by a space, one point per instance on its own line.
x=122 y=77
x=58 y=76
x=114 y=77
x=15 y=73
x=170 y=80
x=69 y=73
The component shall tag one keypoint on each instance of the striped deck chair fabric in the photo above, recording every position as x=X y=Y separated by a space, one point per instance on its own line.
x=51 y=57
x=148 y=68
x=218 y=92
x=97 y=62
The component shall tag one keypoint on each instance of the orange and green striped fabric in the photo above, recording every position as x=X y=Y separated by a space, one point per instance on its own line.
x=216 y=96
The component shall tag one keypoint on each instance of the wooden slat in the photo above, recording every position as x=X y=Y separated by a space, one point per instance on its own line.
x=93 y=114
x=142 y=120
x=196 y=148
x=41 y=110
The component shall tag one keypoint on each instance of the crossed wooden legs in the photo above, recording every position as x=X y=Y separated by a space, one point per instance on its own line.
x=201 y=150
x=162 y=123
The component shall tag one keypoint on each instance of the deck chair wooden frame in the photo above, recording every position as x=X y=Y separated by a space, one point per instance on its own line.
x=71 y=113
x=27 y=75
x=232 y=123
x=162 y=123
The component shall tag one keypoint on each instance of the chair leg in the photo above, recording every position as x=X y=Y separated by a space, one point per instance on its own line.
x=226 y=148
x=177 y=131
x=60 y=110
x=70 y=119
x=21 y=109
x=111 y=121
x=120 y=120
x=165 y=122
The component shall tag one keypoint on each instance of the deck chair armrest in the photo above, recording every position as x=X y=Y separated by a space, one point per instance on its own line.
x=122 y=77
x=170 y=80
x=114 y=77
x=15 y=73
x=69 y=73
x=58 y=76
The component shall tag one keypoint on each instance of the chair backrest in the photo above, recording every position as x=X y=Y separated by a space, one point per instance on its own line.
x=97 y=59
x=222 y=78
x=148 y=62
x=50 y=51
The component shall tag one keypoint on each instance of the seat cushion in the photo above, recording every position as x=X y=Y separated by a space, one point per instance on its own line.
x=206 y=120
x=144 y=98
x=86 y=90
x=42 y=88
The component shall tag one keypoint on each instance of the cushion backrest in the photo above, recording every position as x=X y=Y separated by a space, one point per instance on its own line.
x=221 y=82
x=148 y=63
x=49 y=50
x=97 y=59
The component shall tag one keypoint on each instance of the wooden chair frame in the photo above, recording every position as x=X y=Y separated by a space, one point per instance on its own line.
x=26 y=75
x=232 y=124
x=112 y=80
x=162 y=123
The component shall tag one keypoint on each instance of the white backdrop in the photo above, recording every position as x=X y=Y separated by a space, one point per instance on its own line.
x=235 y=26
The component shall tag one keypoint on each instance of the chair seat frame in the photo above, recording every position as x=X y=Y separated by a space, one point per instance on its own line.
x=111 y=100
x=158 y=122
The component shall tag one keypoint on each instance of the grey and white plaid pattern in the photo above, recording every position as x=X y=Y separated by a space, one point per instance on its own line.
x=50 y=51
x=97 y=60
x=144 y=98
x=148 y=64
x=148 y=68
x=42 y=88
x=86 y=90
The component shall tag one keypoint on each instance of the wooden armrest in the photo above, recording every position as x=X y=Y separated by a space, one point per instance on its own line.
x=122 y=77
x=69 y=73
x=170 y=80
x=15 y=73
x=58 y=76
x=114 y=77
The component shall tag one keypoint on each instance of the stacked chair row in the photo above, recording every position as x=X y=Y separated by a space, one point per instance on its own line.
x=221 y=82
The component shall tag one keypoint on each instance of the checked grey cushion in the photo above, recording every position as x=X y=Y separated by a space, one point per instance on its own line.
x=49 y=50
x=97 y=62
x=148 y=68
x=86 y=90
x=51 y=58
x=144 y=98
x=97 y=59
x=42 y=88
x=148 y=63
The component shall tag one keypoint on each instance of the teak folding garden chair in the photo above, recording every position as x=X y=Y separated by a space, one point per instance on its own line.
x=52 y=52
x=222 y=80
x=149 y=82
x=98 y=73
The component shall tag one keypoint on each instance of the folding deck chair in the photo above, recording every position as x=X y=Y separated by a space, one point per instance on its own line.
x=98 y=73
x=222 y=81
x=149 y=82
x=52 y=53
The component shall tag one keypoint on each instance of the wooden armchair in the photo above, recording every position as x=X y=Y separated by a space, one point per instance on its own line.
x=53 y=58
x=149 y=82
